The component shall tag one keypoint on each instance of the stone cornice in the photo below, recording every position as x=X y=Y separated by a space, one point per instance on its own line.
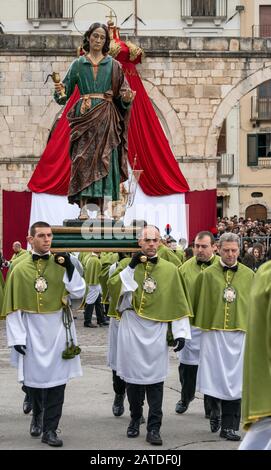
x=20 y=160
x=174 y=47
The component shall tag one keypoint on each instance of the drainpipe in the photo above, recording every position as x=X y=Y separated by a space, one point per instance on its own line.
x=135 y=15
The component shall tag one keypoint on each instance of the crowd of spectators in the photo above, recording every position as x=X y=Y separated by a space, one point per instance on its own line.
x=255 y=238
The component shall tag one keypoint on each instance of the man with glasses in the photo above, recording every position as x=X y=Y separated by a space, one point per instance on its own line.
x=147 y=295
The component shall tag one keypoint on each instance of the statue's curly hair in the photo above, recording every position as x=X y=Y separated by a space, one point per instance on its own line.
x=90 y=30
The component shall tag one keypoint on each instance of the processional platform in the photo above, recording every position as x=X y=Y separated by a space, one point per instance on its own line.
x=95 y=235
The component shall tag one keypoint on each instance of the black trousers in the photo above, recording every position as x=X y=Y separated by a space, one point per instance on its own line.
x=154 y=393
x=119 y=385
x=230 y=411
x=188 y=379
x=89 y=308
x=50 y=401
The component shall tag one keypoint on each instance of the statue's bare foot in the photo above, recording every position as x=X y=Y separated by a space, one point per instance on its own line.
x=83 y=214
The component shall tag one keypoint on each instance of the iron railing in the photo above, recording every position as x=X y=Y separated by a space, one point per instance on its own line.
x=261 y=31
x=44 y=10
x=260 y=108
x=203 y=9
x=226 y=165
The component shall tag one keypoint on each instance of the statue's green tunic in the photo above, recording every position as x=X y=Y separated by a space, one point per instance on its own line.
x=20 y=293
x=95 y=177
x=256 y=398
x=210 y=310
x=164 y=304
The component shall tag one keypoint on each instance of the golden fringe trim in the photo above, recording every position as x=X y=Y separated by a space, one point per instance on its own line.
x=134 y=50
x=131 y=73
x=115 y=48
x=253 y=419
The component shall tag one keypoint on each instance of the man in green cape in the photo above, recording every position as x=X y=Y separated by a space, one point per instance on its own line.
x=17 y=251
x=256 y=398
x=221 y=310
x=92 y=271
x=35 y=305
x=148 y=295
x=204 y=247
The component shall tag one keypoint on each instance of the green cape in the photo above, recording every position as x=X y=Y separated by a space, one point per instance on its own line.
x=20 y=293
x=168 y=254
x=92 y=270
x=210 y=309
x=2 y=284
x=190 y=270
x=17 y=255
x=107 y=259
x=256 y=397
x=167 y=303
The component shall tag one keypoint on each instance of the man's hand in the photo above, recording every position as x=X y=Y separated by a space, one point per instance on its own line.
x=128 y=95
x=136 y=259
x=179 y=343
x=64 y=260
x=20 y=349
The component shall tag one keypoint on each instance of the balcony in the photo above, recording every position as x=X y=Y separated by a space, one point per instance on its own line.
x=202 y=10
x=260 y=109
x=261 y=31
x=49 y=11
x=225 y=167
x=264 y=162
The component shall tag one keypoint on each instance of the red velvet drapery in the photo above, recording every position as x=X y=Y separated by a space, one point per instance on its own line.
x=201 y=211
x=161 y=176
x=16 y=215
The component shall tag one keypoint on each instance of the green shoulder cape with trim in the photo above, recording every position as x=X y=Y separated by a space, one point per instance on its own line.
x=210 y=309
x=256 y=396
x=20 y=292
x=167 y=303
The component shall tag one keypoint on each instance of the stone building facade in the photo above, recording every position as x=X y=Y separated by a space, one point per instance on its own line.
x=194 y=84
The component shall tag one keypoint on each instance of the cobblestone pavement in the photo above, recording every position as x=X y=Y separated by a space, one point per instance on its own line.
x=87 y=421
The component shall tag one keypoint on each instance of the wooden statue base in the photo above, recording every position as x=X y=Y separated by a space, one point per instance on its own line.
x=95 y=235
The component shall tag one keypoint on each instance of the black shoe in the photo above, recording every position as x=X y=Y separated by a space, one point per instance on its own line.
x=181 y=407
x=133 y=428
x=50 y=438
x=154 y=438
x=36 y=426
x=89 y=325
x=118 y=407
x=27 y=405
x=215 y=424
x=230 y=435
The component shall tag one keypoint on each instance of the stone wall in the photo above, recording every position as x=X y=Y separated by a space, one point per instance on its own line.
x=193 y=82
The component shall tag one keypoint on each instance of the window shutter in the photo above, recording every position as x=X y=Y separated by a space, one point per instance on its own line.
x=252 y=150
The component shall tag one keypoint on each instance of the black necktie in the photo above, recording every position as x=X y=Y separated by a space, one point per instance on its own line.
x=37 y=257
x=230 y=268
x=208 y=263
x=153 y=260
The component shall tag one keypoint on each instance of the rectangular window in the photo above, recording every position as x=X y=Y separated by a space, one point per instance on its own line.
x=265 y=21
x=50 y=9
x=203 y=8
x=258 y=146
